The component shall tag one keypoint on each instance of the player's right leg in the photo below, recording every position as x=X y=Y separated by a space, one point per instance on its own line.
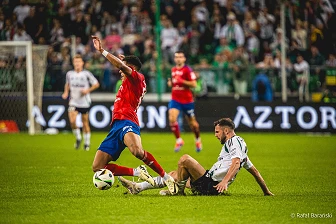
x=173 y=113
x=133 y=141
x=86 y=131
x=194 y=126
x=72 y=112
x=188 y=167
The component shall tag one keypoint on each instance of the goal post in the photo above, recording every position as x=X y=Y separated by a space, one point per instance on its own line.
x=22 y=71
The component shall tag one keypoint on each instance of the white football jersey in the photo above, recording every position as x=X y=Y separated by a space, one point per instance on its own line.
x=78 y=82
x=234 y=147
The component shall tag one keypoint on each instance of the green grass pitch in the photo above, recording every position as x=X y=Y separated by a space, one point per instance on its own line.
x=44 y=180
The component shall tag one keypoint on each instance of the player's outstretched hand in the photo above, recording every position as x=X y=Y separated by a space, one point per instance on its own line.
x=97 y=43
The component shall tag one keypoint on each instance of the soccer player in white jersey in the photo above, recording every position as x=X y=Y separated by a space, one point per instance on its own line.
x=80 y=83
x=190 y=173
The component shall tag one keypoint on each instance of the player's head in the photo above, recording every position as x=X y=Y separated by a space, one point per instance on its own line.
x=78 y=62
x=133 y=61
x=179 y=58
x=224 y=129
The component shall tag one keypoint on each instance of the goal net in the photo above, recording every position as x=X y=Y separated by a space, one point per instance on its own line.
x=22 y=71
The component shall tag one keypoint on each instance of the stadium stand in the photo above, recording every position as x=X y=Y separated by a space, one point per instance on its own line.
x=216 y=35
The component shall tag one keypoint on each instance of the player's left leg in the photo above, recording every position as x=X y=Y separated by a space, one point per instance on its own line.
x=133 y=142
x=173 y=114
x=86 y=131
x=189 y=111
x=194 y=126
x=72 y=113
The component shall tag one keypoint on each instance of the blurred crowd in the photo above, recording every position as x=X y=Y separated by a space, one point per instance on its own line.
x=228 y=42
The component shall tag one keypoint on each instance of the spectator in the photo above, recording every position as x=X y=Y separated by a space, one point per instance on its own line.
x=216 y=25
x=249 y=23
x=316 y=36
x=223 y=46
x=79 y=47
x=316 y=61
x=276 y=44
x=64 y=19
x=21 y=35
x=294 y=50
x=221 y=64
x=288 y=69
x=54 y=71
x=31 y=24
x=233 y=32
x=8 y=31
x=302 y=77
x=96 y=66
x=331 y=61
x=239 y=68
x=201 y=90
x=267 y=63
x=112 y=38
x=201 y=12
x=78 y=27
x=207 y=75
x=169 y=40
x=57 y=34
x=299 y=34
x=252 y=46
x=22 y=11
x=266 y=22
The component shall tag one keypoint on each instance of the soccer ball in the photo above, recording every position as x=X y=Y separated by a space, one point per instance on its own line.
x=103 y=179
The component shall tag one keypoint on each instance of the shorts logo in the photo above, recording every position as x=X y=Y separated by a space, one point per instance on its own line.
x=191 y=112
x=129 y=128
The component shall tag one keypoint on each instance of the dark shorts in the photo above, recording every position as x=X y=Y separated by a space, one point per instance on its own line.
x=80 y=110
x=113 y=144
x=204 y=185
x=186 y=108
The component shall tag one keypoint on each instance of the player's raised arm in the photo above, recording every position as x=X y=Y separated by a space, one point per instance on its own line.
x=115 y=61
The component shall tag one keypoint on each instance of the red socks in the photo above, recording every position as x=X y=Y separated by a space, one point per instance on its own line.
x=119 y=170
x=175 y=129
x=150 y=161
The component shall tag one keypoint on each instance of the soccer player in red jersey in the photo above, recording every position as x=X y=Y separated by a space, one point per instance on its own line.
x=125 y=130
x=183 y=79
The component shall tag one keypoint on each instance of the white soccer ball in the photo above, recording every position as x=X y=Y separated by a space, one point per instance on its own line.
x=103 y=179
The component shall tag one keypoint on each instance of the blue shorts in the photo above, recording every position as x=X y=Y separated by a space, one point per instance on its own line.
x=187 y=108
x=113 y=144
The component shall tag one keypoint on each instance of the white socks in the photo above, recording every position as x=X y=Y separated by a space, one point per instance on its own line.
x=136 y=172
x=87 y=137
x=159 y=183
x=77 y=133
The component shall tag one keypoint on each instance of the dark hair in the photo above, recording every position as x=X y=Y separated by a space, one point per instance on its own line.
x=78 y=56
x=180 y=52
x=225 y=122
x=133 y=60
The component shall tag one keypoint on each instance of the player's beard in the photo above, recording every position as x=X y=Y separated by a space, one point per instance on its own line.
x=223 y=140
